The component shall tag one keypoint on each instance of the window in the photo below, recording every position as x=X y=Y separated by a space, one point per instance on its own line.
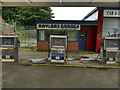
x=44 y=35
x=72 y=35
x=58 y=32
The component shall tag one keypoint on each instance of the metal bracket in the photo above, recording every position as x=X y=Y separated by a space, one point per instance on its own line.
x=29 y=1
x=1 y=2
x=60 y=1
x=91 y=1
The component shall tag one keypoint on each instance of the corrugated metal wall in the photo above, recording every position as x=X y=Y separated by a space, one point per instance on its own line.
x=110 y=25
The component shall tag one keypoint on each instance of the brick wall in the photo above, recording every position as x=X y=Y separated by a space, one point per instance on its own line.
x=73 y=46
x=6 y=28
x=43 y=46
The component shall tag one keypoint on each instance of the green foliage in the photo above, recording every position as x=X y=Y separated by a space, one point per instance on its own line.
x=26 y=15
x=21 y=31
x=32 y=48
x=118 y=55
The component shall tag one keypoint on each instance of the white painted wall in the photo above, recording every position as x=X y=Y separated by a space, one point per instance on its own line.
x=93 y=17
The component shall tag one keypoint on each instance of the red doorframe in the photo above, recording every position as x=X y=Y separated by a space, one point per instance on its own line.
x=99 y=29
x=91 y=36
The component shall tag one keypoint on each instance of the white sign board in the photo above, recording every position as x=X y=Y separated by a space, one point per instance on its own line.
x=111 y=13
x=59 y=26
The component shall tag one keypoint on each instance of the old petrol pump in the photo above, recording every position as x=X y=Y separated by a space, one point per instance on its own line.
x=10 y=45
x=57 y=46
x=111 y=48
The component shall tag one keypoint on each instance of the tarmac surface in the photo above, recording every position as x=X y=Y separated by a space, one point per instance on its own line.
x=18 y=76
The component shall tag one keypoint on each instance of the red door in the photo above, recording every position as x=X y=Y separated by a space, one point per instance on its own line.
x=91 y=40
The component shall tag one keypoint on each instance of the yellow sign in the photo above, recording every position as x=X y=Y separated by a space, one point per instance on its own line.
x=110 y=59
x=57 y=57
x=7 y=56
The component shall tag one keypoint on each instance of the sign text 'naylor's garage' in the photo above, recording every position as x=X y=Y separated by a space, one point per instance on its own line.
x=59 y=26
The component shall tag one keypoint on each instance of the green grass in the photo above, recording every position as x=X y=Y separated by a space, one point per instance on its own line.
x=27 y=43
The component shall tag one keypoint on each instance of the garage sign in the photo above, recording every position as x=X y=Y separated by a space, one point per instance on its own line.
x=59 y=26
x=111 y=13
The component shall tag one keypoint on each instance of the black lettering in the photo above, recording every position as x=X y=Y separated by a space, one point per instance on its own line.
x=108 y=13
x=55 y=26
x=65 y=26
x=40 y=26
x=71 y=26
x=68 y=26
x=62 y=26
x=48 y=26
x=118 y=13
x=74 y=26
x=51 y=26
x=112 y=13
x=115 y=13
x=43 y=26
x=58 y=26
x=77 y=26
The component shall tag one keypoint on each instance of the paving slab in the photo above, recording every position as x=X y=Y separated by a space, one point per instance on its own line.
x=73 y=59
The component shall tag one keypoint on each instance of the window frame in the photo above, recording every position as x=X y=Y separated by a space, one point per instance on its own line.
x=52 y=32
x=77 y=34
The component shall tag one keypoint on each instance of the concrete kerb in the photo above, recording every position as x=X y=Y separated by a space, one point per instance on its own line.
x=62 y=65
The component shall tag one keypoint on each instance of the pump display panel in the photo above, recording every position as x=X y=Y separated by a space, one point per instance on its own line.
x=111 y=43
x=7 y=41
x=58 y=42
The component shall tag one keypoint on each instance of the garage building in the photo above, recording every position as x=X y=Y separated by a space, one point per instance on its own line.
x=84 y=35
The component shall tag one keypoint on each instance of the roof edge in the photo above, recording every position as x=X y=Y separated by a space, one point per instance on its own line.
x=100 y=8
x=66 y=22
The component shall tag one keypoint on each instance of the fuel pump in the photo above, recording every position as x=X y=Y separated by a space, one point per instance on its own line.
x=10 y=46
x=57 y=47
x=111 y=49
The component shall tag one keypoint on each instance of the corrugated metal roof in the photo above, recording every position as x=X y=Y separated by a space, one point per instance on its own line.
x=94 y=3
x=59 y=0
